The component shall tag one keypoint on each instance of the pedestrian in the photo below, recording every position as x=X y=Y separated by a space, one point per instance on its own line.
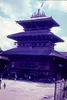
x=4 y=85
x=0 y=83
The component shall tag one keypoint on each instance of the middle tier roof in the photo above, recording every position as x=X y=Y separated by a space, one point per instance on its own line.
x=40 y=35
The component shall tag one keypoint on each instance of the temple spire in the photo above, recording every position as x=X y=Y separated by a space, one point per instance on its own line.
x=42 y=4
x=38 y=14
x=38 y=11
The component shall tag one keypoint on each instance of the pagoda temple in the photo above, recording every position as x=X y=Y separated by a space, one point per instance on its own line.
x=34 y=58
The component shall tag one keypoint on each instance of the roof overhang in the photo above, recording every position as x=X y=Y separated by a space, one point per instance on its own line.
x=46 y=36
x=35 y=52
x=38 y=22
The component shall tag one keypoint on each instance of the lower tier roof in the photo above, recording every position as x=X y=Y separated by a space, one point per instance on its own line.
x=30 y=51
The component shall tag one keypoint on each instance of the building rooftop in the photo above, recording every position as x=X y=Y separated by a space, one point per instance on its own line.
x=31 y=51
x=38 y=25
x=64 y=53
x=47 y=35
x=38 y=21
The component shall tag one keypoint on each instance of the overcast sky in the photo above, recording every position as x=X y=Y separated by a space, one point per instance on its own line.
x=13 y=10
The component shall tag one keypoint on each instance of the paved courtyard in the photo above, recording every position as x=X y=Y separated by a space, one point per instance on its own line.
x=20 y=90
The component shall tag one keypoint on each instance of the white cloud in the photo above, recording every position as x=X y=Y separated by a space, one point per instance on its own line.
x=56 y=30
x=8 y=27
x=62 y=46
x=60 y=5
x=6 y=43
x=63 y=6
x=15 y=8
x=6 y=9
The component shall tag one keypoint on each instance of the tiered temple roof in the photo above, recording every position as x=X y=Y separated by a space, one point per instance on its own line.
x=38 y=21
x=31 y=36
x=34 y=52
x=37 y=29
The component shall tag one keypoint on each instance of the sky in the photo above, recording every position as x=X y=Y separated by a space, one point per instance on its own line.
x=13 y=10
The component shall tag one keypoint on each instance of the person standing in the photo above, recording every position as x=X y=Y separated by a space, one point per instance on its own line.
x=0 y=83
x=4 y=85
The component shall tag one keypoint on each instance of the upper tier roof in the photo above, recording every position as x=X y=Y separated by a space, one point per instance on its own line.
x=43 y=35
x=38 y=21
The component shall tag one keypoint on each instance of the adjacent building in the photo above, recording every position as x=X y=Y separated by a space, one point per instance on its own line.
x=4 y=61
